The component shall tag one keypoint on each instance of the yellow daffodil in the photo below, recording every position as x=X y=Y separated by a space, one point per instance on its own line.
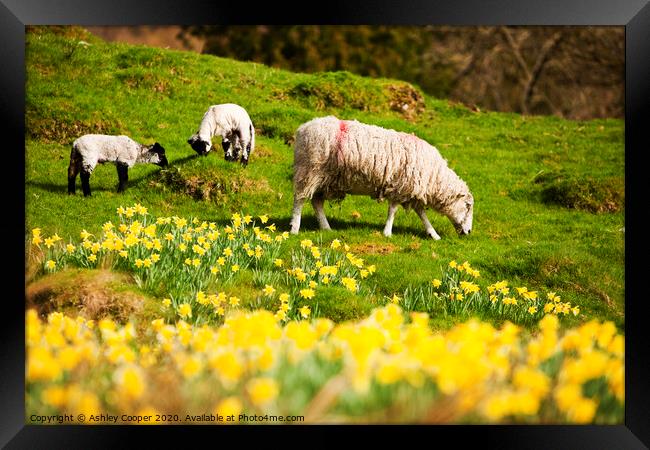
x=305 y=311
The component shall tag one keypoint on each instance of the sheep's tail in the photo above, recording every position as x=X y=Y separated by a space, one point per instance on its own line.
x=252 y=131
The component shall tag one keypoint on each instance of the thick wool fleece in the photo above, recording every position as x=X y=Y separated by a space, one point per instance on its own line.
x=223 y=119
x=333 y=157
x=98 y=148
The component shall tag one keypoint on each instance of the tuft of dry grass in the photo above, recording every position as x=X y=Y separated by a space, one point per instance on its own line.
x=93 y=294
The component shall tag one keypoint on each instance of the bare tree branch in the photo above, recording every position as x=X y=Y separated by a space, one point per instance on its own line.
x=515 y=50
x=547 y=48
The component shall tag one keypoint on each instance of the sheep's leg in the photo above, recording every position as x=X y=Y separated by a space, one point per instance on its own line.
x=73 y=170
x=246 y=149
x=227 y=151
x=85 y=182
x=297 y=210
x=123 y=175
x=317 y=202
x=388 y=228
x=427 y=225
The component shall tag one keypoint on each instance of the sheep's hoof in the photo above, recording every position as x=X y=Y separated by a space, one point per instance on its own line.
x=434 y=236
x=387 y=234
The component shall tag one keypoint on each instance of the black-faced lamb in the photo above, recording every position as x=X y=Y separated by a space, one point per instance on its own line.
x=92 y=149
x=335 y=157
x=235 y=127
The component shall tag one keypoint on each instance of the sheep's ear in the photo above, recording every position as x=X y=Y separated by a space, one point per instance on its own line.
x=192 y=139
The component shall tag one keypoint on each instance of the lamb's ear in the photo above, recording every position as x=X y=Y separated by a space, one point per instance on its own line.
x=192 y=139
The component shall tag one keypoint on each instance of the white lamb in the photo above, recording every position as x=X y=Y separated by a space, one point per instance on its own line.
x=335 y=157
x=92 y=149
x=235 y=127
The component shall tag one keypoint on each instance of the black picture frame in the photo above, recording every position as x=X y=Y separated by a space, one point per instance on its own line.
x=634 y=15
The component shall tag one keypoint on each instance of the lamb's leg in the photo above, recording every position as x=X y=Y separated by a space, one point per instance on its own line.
x=123 y=175
x=85 y=182
x=317 y=202
x=388 y=228
x=246 y=153
x=297 y=210
x=73 y=170
x=427 y=225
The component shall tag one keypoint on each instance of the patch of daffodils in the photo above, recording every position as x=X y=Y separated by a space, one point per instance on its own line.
x=254 y=363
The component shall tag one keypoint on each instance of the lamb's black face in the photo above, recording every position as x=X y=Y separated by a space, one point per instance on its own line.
x=160 y=151
x=199 y=146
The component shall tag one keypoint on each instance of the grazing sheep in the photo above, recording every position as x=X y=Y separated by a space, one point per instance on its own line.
x=92 y=149
x=233 y=124
x=335 y=157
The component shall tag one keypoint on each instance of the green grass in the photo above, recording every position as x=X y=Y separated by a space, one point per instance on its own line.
x=528 y=232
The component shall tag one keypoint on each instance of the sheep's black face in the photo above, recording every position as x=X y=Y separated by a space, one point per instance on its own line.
x=160 y=152
x=199 y=146
x=163 y=161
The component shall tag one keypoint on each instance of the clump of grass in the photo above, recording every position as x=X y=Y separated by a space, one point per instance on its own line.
x=581 y=192
x=345 y=90
x=338 y=90
x=405 y=99
x=211 y=188
x=62 y=128
x=66 y=31
x=95 y=294
x=339 y=305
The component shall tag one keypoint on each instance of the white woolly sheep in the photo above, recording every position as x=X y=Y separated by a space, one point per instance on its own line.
x=235 y=127
x=335 y=157
x=92 y=149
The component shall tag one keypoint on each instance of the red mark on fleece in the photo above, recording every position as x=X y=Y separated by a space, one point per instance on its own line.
x=411 y=139
x=340 y=137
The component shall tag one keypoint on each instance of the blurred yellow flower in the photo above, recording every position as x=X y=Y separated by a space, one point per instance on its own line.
x=262 y=391
x=305 y=311
x=306 y=243
x=307 y=293
x=349 y=283
x=185 y=310
x=230 y=406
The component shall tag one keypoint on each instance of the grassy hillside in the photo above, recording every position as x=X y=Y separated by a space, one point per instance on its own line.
x=549 y=197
